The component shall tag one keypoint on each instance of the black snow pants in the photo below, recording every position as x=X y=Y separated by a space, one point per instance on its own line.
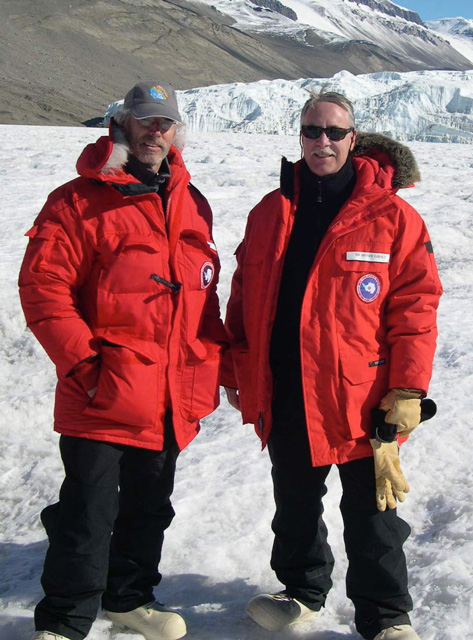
x=376 y=580
x=105 y=533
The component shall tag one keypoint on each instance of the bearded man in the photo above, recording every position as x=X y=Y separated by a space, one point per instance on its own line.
x=119 y=286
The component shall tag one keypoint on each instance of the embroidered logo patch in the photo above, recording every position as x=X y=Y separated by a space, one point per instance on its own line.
x=206 y=274
x=158 y=93
x=368 y=287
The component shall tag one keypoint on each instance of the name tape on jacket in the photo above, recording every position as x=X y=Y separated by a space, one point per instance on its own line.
x=364 y=256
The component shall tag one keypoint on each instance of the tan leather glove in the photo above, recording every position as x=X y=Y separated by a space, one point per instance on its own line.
x=390 y=481
x=403 y=409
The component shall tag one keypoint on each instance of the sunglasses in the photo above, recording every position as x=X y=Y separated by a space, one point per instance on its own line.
x=164 y=124
x=333 y=133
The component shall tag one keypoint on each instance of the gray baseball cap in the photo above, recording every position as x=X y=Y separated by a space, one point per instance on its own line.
x=152 y=100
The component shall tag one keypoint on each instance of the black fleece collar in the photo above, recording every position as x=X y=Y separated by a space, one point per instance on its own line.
x=327 y=187
x=144 y=174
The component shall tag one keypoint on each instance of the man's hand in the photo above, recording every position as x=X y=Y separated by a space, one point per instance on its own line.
x=87 y=374
x=233 y=397
x=390 y=481
x=403 y=409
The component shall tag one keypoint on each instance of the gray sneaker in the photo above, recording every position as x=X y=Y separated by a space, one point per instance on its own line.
x=48 y=635
x=153 y=621
x=274 y=611
x=398 y=632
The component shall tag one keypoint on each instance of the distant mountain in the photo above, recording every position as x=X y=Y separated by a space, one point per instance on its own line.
x=458 y=32
x=389 y=31
x=62 y=63
x=429 y=106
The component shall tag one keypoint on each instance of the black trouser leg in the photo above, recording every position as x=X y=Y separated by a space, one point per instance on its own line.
x=301 y=557
x=377 y=573
x=146 y=485
x=79 y=527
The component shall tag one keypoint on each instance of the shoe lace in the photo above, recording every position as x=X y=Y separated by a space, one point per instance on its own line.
x=282 y=596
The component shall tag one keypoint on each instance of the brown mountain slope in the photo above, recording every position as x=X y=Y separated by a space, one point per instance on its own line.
x=64 y=62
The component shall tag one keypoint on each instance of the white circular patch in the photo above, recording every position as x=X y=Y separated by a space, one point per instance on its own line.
x=368 y=287
x=206 y=274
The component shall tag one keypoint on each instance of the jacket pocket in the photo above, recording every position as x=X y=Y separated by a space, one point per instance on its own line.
x=199 y=381
x=127 y=263
x=127 y=390
x=362 y=283
x=364 y=381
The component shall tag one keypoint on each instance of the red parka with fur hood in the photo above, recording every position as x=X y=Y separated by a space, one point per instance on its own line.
x=109 y=271
x=368 y=319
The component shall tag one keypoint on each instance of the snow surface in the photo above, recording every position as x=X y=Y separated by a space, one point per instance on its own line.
x=430 y=106
x=216 y=553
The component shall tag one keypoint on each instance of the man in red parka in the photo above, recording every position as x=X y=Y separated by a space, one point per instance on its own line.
x=119 y=286
x=332 y=313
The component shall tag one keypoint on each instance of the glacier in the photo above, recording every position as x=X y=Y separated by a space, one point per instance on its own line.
x=425 y=106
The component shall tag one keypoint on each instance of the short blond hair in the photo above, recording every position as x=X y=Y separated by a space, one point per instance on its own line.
x=328 y=96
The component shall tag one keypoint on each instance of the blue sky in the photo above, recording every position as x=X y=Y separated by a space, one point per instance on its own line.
x=435 y=9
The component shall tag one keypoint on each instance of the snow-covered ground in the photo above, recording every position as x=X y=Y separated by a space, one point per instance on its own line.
x=216 y=553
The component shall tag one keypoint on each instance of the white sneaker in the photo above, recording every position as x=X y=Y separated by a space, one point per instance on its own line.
x=152 y=620
x=48 y=635
x=274 y=611
x=398 y=632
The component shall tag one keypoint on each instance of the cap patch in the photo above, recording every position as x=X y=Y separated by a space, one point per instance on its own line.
x=206 y=274
x=158 y=93
x=368 y=287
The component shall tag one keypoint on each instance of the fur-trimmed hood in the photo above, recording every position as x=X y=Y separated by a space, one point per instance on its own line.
x=383 y=149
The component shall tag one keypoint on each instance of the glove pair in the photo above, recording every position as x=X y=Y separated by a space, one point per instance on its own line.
x=402 y=408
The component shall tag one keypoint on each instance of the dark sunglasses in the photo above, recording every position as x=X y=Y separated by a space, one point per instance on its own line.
x=333 y=133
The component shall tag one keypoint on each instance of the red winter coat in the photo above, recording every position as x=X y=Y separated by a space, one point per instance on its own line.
x=86 y=289
x=368 y=320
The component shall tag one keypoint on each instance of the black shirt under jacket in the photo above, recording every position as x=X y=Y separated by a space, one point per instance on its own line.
x=144 y=174
x=320 y=200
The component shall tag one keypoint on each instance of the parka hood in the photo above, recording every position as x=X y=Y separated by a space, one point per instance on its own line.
x=105 y=159
x=392 y=157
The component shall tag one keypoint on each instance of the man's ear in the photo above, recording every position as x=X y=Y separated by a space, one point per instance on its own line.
x=353 y=139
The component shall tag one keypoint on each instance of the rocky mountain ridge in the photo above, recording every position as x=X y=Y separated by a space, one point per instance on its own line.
x=61 y=66
x=391 y=9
